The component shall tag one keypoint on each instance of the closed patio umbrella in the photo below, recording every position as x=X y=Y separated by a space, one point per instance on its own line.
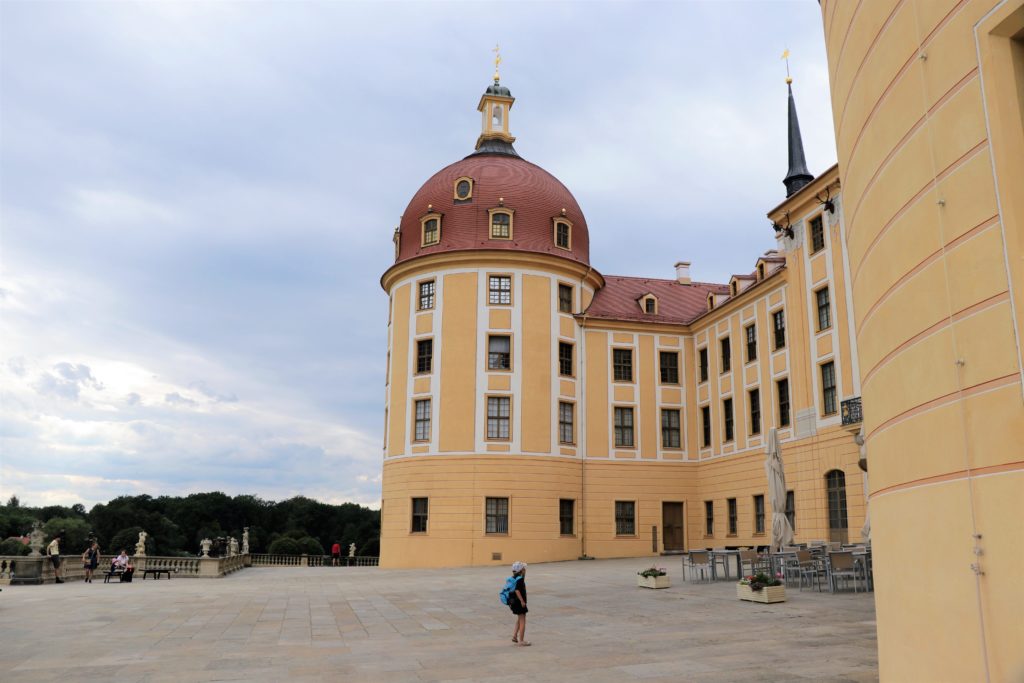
x=782 y=532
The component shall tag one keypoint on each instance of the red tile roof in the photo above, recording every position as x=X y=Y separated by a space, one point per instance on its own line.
x=535 y=195
x=677 y=304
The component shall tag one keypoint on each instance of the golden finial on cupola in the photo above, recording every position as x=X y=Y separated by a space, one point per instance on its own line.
x=497 y=61
x=785 y=55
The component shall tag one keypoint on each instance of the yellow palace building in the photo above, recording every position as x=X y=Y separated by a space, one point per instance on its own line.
x=537 y=409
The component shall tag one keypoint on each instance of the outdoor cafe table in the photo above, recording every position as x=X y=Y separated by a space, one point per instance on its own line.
x=779 y=559
x=725 y=554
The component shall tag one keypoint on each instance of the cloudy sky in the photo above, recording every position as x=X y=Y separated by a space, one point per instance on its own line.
x=198 y=199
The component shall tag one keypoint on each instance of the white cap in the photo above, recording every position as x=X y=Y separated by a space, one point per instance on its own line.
x=518 y=566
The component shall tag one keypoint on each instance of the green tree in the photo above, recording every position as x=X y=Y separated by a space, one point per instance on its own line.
x=76 y=533
x=12 y=546
x=285 y=546
x=310 y=546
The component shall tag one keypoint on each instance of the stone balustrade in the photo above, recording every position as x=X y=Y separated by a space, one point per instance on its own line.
x=267 y=560
x=38 y=569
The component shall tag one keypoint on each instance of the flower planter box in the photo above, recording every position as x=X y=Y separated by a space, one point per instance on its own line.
x=767 y=594
x=653 y=581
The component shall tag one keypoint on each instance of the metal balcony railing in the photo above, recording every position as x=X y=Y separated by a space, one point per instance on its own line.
x=851 y=411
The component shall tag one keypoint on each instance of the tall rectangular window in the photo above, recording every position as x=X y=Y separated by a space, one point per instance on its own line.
x=565 y=299
x=622 y=365
x=758 y=514
x=566 y=517
x=705 y=426
x=426 y=295
x=751 y=332
x=703 y=354
x=783 y=389
x=727 y=413
x=817 y=234
x=779 y=328
x=499 y=352
x=733 y=517
x=565 y=359
x=566 y=427
x=419 y=515
x=709 y=518
x=726 y=354
x=562 y=235
x=755 y=411
x=791 y=509
x=625 y=518
x=668 y=362
x=624 y=427
x=499 y=289
x=499 y=410
x=424 y=355
x=422 y=427
x=828 y=387
x=496 y=512
x=670 y=428
x=824 y=309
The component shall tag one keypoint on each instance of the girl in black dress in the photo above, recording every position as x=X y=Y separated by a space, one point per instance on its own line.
x=517 y=603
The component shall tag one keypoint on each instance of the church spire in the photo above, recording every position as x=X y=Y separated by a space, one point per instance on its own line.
x=495 y=105
x=798 y=175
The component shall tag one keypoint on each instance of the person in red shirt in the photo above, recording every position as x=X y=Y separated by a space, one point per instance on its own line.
x=335 y=554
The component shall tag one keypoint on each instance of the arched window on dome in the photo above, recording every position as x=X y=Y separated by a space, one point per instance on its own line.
x=563 y=233
x=430 y=229
x=501 y=224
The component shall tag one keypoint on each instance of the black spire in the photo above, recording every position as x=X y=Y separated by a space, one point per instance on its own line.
x=798 y=175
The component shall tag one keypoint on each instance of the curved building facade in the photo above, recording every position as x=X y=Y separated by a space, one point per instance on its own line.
x=537 y=409
x=926 y=96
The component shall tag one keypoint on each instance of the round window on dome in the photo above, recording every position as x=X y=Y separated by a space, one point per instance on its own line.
x=463 y=189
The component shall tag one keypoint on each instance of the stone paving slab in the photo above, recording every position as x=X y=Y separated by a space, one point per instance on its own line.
x=588 y=623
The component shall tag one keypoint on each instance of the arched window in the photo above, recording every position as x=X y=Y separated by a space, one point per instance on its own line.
x=835 y=485
x=431 y=228
x=563 y=234
x=501 y=224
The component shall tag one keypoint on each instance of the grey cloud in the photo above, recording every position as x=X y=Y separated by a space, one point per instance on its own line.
x=68 y=381
x=133 y=399
x=206 y=391
x=176 y=399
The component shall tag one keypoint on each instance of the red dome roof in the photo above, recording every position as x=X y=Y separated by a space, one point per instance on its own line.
x=535 y=196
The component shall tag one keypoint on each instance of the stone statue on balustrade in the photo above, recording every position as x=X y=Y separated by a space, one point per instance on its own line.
x=233 y=547
x=205 y=545
x=36 y=539
x=245 y=541
x=140 y=547
x=351 y=549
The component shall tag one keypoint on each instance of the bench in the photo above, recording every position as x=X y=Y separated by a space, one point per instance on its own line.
x=107 y=575
x=156 y=572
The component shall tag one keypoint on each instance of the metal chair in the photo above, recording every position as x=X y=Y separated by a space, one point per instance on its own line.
x=809 y=568
x=701 y=561
x=841 y=566
x=749 y=558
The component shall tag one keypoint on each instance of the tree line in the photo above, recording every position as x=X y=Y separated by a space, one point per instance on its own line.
x=175 y=525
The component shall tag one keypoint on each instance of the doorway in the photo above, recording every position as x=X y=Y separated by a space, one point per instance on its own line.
x=672 y=527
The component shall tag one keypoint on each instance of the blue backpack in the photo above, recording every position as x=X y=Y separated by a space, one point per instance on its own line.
x=508 y=589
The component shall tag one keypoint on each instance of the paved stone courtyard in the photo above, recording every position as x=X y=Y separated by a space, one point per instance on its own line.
x=588 y=622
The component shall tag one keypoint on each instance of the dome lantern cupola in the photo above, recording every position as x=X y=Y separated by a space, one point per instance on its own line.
x=494 y=107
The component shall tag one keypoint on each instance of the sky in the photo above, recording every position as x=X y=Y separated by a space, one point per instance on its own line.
x=197 y=202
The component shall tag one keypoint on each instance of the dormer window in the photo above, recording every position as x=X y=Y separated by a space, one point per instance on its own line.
x=397 y=239
x=563 y=234
x=501 y=224
x=711 y=300
x=430 y=226
x=734 y=288
x=649 y=304
x=463 y=189
x=760 y=271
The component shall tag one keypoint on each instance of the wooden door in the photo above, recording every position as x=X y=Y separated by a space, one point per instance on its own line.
x=672 y=526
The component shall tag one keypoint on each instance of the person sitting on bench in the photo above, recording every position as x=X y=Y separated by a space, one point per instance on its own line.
x=123 y=565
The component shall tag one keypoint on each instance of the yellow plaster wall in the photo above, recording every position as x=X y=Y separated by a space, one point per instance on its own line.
x=537 y=365
x=399 y=371
x=458 y=363
x=934 y=261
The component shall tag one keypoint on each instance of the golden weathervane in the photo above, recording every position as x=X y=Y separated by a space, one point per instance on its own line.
x=497 y=60
x=785 y=55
